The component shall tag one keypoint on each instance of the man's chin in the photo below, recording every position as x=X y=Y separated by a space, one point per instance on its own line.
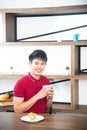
x=38 y=73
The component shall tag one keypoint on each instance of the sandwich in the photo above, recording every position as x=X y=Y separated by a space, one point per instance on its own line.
x=32 y=116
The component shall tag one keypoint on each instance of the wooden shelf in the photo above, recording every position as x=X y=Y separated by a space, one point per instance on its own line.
x=76 y=77
x=11 y=75
x=9 y=40
x=47 y=10
x=49 y=76
x=63 y=43
x=80 y=77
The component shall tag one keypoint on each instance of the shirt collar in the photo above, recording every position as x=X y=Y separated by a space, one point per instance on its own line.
x=32 y=78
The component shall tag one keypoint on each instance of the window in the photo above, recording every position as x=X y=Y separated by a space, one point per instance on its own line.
x=51 y=28
x=82 y=69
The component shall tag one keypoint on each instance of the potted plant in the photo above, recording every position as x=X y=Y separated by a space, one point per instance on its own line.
x=11 y=69
x=67 y=70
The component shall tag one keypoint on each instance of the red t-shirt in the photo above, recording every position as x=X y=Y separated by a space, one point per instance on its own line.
x=27 y=87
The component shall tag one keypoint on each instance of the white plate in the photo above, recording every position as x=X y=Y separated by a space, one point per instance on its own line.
x=38 y=118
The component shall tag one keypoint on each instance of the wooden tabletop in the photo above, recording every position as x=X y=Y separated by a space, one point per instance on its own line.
x=12 y=121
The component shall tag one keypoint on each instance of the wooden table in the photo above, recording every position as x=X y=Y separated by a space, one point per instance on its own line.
x=12 y=121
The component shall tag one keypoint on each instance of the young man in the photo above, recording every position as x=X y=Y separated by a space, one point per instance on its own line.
x=33 y=92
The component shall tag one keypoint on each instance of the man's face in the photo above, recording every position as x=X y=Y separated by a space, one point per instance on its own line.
x=37 y=66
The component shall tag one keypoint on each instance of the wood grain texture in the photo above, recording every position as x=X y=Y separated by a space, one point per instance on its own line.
x=12 y=121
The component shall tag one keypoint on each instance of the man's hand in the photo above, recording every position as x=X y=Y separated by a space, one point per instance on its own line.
x=46 y=91
x=50 y=91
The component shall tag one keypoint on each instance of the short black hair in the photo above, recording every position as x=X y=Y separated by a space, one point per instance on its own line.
x=38 y=54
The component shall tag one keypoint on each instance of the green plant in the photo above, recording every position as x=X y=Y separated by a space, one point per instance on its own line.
x=11 y=67
x=67 y=68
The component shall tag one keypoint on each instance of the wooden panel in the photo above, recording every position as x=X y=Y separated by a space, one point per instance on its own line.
x=74 y=60
x=74 y=93
x=9 y=27
x=81 y=77
x=47 y=10
x=63 y=43
x=49 y=76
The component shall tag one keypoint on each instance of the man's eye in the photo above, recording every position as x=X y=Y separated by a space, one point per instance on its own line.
x=43 y=64
x=36 y=63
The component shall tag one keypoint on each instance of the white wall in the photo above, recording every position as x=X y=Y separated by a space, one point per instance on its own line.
x=38 y=3
x=17 y=57
x=1 y=33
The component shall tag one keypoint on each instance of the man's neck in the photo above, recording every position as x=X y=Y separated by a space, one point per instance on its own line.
x=35 y=76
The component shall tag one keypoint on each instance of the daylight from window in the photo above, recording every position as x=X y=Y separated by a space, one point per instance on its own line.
x=51 y=28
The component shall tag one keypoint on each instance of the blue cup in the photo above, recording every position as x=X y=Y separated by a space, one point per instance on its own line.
x=76 y=37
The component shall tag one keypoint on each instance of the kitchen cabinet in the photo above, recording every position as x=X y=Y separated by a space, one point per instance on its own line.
x=9 y=40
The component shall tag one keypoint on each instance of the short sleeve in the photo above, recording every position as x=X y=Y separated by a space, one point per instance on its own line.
x=18 y=89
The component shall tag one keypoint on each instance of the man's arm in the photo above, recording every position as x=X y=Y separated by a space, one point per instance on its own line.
x=21 y=106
